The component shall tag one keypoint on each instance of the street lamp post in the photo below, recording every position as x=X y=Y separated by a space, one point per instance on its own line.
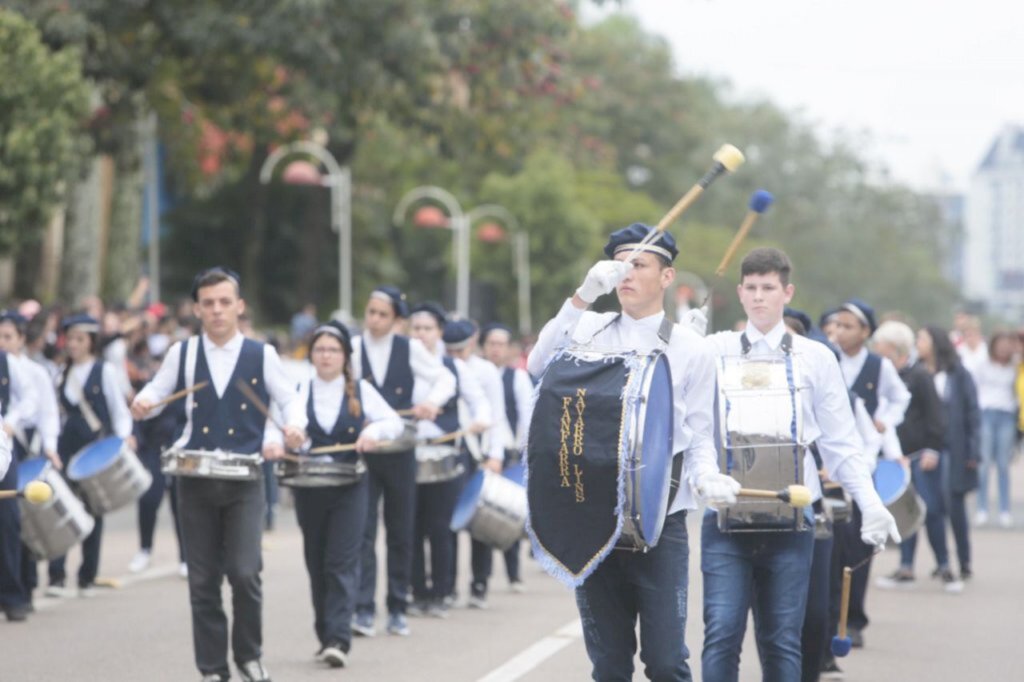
x=460 y=235
x=520 y=258
x=339 y=181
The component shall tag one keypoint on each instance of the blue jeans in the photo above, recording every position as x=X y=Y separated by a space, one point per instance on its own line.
x=651 y=585
x=929 y=486
x=998 y=429
x=768 y=571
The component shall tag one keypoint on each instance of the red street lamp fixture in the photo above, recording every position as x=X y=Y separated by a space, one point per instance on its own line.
x=430 y=218
x=301 y=172
x=490 y=232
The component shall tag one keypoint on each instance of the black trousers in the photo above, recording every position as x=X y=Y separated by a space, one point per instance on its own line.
x=435 y=503
x=13 y=592
x=333 y=522
x=222 y=526
x=393 y=477
x=815 y=639
x=849 y=550
x=149 y=503
x=90 y=558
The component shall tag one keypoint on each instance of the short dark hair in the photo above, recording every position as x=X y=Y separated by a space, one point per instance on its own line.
x=212 y=277
x=764 y=261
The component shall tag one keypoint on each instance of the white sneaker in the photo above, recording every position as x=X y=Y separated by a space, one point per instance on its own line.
x=87 y=591
x=980 y=518
x=140 y=562
x=183 y=569
x=1005 y=520
x=57 y=591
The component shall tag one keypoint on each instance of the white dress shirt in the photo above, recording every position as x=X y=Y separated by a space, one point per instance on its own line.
x=827 y=417
x=5 y=450
x=221 y=361
x=472 y=404
x=24 y=395
x=426 y=367
x=691 y=360
x=381 y=422
x=46 y=419
x=893 y=396
x=522 y=389
x=490 y=379
x=117 y=403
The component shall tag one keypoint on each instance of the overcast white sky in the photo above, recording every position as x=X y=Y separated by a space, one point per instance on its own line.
x=932 y=81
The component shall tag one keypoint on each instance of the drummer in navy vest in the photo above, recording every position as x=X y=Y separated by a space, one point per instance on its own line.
x=42 y=426
x=341 y=411
x=18 y=406
x=495 y=341
x=459 y=339
x=435 y=501
x=873 y=379
x=768 y=571
x=392 y=363
x=94 y=407
x=222 y=520
x=650 y=585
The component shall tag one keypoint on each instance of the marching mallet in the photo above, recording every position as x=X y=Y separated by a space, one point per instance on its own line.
x=796 y=496
x=727 y=159
x=841 y=643
x=36 y=492
x=759 y=203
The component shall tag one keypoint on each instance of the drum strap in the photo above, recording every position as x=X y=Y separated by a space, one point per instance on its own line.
x=664 y=330
x=674 y=482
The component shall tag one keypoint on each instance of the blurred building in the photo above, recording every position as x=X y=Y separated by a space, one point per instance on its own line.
x=994 y=240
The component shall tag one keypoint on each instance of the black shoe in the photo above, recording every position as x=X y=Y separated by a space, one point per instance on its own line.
x=18 y=614
x=253 y=671
x=966 y=574
x=829 y=670
x=856 y=638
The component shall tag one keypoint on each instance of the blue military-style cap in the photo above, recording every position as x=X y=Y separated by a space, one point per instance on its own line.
x=432 y=308
x=862 y=311
x=801 y=317
x=458 y=332
x=81 y=322
x=394 y=296
x=629 y=238
x=335 y=329
x=14 y=317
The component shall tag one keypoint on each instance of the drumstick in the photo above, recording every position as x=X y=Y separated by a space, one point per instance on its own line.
x=36 y=492
x=177 y=395
x=410 y=412
x=797 y=496
x=759 y=203
x=326 y=449
x=250 y=394
x=727 y=158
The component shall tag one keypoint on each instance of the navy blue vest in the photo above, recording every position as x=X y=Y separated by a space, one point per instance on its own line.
x=448 y=420
x=229 y=422
x=508 y=380
x=345 y=430
x=866 y=385
x=5 y=384
x=76 y=433
x=397 y=387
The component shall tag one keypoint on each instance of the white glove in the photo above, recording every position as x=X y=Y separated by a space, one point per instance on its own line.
x=602 y=278
x=697 y=320
x=718 y=490
x=878 y=525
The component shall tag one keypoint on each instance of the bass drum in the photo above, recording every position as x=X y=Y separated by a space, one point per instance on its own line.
x=893 y=483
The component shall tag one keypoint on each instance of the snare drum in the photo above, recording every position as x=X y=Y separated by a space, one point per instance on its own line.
x=760 y=438
x=318 y=472
x=52 y=528
x=599 y=458
x=109 y=474
x=228 y=466
x=893 y=483
x=437 y=463
x=492 y=508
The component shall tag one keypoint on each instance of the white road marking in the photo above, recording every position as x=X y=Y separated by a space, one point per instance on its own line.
x=538 y=652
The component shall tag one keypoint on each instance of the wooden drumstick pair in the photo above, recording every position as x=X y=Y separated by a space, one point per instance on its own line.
x=327 y=449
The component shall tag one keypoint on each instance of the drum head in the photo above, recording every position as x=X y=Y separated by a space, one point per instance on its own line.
x=657 y=452
x=30 y=470
x=94 y=458
x=515 y=473
x=466 y=506
x=891 y=479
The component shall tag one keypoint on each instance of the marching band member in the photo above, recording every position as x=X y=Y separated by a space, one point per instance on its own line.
x=340 y=411
x=42 y=425
x=650 y=585
x=495 y=340
x=458 y=339
x=94 y=407
x=435 y=502
x=769 y=571
x=222 y=520
x=392 y=363
x=874 y=380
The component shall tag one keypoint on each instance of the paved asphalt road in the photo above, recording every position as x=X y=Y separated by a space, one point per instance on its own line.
x=141 y=632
